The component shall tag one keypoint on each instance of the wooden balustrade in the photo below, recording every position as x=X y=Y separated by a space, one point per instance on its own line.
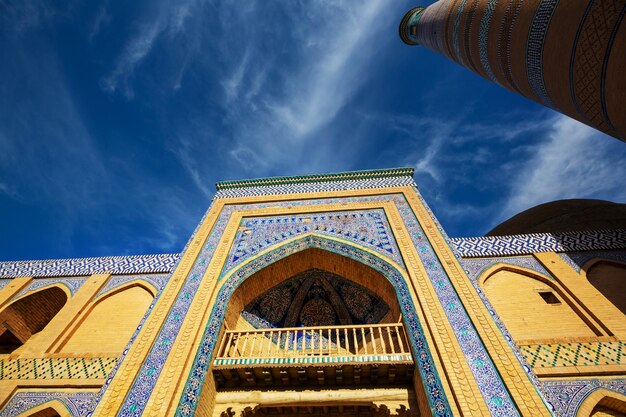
x=372 y=343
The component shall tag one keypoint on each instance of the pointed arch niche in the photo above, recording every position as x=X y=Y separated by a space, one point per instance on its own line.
x=532 y=306
x=371 y=274
x=28 y=315
x=110 y=320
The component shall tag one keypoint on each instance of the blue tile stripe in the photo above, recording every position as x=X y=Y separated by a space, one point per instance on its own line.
x=141 y=264
x=473 y=247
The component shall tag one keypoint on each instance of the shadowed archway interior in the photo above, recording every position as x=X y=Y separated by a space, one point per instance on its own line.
x=285 y=294
x=28 y=316
x=315 y=298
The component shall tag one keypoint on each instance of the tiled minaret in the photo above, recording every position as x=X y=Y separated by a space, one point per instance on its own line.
x=569 y=55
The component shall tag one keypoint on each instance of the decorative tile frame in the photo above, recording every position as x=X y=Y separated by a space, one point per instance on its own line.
x=78 y=403
x=369 y=228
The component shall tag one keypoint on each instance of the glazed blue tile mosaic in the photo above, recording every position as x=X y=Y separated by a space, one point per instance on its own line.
x=369 y=228
x=477 y=247
x=565 y=397
x=73 y=284
x=158 y=281
x=87 y=266
x=578 y=259
x=78 y=404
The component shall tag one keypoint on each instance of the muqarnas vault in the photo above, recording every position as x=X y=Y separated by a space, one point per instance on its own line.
x=336 y=294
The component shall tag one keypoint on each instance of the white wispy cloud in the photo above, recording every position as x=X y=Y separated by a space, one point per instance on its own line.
x=101 y=19
x=574 y=161
x=167 y=18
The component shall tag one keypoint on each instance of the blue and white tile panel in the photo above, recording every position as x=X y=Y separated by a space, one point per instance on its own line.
x=477 y=247
x=141 y=264
x=316 y=187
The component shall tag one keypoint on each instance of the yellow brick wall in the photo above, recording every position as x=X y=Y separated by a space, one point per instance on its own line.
x=111 y=322
x=526 y=314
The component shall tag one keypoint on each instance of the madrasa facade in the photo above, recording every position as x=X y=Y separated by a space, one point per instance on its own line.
x=322 y=295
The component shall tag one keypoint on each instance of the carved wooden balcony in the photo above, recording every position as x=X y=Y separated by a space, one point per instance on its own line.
x=374 y=354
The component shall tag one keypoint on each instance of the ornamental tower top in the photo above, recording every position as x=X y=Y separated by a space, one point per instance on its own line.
x=566 y=55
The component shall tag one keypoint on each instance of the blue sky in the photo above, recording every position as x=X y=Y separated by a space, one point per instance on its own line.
x=117 y=118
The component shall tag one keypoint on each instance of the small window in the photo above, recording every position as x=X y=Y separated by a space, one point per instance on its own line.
x=549 y=297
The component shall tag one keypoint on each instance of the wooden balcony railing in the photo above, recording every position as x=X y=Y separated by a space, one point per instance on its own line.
x=370 y=343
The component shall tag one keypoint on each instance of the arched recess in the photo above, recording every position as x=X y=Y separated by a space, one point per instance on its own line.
x=54 y=408
x=29 y=315
x=433 y=390
x=603 y=403
x=304 y=262
x=608 y=277
x=533 y=306
x=110 y=320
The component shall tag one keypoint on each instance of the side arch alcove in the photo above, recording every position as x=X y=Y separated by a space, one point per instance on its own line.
x=533 y=306
x=110 y=320
x=321 y=257
x=25 y=317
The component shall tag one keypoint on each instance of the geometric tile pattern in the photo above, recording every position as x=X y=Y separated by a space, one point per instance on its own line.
x=566 y=396
x=79 y=404
x=73 y=284
x=55 y=368
x=88 y=266
x=368 y=228
x=378 y=178
x=574 y=354
x=474 y=247
x=158 y=281
x=578 y=259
